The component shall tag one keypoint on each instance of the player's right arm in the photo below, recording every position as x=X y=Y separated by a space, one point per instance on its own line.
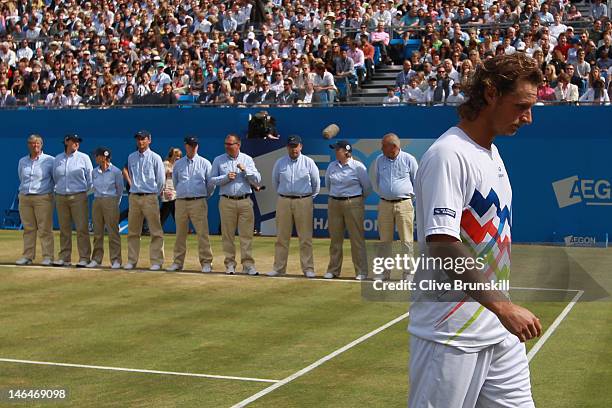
x=516 y=319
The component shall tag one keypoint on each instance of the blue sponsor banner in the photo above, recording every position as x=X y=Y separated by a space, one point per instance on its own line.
x=559 y=166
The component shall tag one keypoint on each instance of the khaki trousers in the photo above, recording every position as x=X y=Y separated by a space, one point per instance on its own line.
x=237 y=213
x=145 y=207
x=195 y=211
x=346 y=215
x=36 y=212
x=290 y=211
x=73 y=208
x=390 y=215
x=105 y=213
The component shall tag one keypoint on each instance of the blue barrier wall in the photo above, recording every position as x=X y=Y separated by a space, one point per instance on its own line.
x=560 y=166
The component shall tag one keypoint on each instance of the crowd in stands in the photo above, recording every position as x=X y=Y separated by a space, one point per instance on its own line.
x=71 y=53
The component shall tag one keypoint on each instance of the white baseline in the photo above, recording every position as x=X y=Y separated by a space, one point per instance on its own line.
x=136 y=370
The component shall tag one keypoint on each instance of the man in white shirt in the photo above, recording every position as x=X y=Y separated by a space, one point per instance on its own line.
x=466 y=347
x=557 y=28
x=160 y=77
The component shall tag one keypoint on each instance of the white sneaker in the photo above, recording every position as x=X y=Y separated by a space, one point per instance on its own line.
x=250 y=270
x=23 y=261
x=155 y=267
x=60 y=262
x=379 y=277
x=92 y=264
x=128 y=266
x=172 y=268
x=115 y=265
x=230 y=269
x=310 y=274
x=360 y=277
x=328 y=275
x=273 y=274
x=206 y=268
x=82 y=264
x=47 y=262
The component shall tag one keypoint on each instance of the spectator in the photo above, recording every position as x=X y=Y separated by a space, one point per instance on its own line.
x=596 y=94
x=412 y=93
x=224 y=97
x=599 y=10
x=391 y=99
x=167 y=96
x=168 y=195
x=380 y=38
x=324 y=84
x=129 y=96
x=545 y=91
x=566 y=91
x=308 y=96
x=208 y=97
x=57 y=98
x=403 y=77
x=73 y=99
x=288 y=96
x=456 y=98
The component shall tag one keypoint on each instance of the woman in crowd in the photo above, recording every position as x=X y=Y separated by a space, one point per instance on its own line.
x=168 y=196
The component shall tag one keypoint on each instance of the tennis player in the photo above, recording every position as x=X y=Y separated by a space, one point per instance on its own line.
x=468 y=351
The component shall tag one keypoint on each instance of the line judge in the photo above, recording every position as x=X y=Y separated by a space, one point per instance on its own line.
x=72 y=175
x=296 y=179
x=147 y=174
x=36 y=202
x=234 y=172
x=191 y=177
x=348 y=183
x=395 y=172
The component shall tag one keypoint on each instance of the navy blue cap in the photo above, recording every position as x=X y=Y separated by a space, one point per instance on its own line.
x=103 y=151
x=73 y=137
x=142 y=134
x=191 y=140
x=341 y=144
x=294 y=140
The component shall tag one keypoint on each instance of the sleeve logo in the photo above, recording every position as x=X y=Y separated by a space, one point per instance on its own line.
x=444 y=211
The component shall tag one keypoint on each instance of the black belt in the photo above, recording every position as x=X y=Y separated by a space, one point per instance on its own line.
x=143 y=194
x=190 y=198
x=395 y=201
x=294 y=197
x=344 y=198
x=242 y=197
x=70 y=194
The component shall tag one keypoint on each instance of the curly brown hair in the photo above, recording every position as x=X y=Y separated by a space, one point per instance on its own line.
x=500 y=73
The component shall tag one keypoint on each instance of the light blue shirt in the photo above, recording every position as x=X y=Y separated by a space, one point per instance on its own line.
x=146 y=172
x=299 y=177
x=241 y=185
x=35 y=176
x=395 y=178
x=72 y=173
x=347 y=180
x=192 y=177
x=107 y=183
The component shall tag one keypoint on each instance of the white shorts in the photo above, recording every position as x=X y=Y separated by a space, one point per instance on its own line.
x=446 y=377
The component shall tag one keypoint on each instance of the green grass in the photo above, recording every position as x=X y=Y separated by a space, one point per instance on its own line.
x=256 y=327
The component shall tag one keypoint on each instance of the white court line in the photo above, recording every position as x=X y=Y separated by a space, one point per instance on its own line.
x=135 y=370
x=318 y=362
x=534 y=350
